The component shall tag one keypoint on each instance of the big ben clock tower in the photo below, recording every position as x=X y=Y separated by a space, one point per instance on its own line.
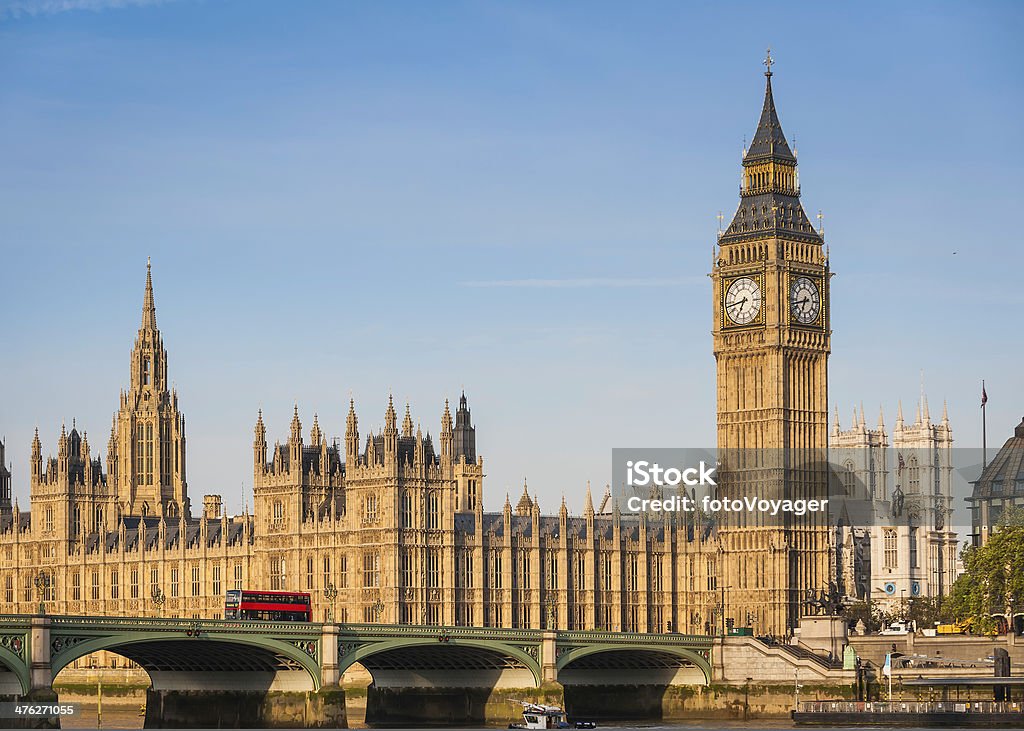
x=771 y=343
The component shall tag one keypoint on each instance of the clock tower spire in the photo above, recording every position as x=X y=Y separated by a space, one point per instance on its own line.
x=771 y=344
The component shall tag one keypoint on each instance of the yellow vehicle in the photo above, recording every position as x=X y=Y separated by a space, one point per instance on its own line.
x=956 y=628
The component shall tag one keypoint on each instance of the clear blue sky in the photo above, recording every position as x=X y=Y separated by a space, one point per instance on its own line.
x=519 y=198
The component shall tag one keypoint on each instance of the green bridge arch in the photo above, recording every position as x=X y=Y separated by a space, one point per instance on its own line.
x=567 y=658
x=111 y=642
x=498 y=648
x=18 y=666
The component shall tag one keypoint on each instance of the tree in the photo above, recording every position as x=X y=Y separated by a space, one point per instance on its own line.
x=1012 y=516
x=924 y=611
x=992 y=582
x=873 y=618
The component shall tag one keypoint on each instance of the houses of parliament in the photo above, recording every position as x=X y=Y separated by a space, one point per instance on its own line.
x=389 y=527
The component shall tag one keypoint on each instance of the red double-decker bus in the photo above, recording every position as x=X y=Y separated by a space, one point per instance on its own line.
x=271 y=606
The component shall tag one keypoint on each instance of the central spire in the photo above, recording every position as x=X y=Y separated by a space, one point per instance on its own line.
x=148 y=305
x=769 y=140
x=770 y=185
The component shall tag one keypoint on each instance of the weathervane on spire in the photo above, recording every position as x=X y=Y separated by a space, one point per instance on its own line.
x=768 y=62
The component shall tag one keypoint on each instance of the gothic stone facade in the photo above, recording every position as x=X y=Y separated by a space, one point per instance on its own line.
x=393 y=527
x=904 y=547
x=387 y=530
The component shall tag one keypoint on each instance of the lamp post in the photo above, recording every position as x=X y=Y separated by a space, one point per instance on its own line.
x=42 y=582
x=159 y=599
x=330 y=594
x=723 y=588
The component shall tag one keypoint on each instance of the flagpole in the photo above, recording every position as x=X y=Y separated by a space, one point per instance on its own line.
x=984 y=445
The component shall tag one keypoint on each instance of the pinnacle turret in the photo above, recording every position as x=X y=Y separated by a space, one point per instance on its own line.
x=351 y=434
x=315 y=435
x=407 y=422
x=390 y=418
x=446 y=419
x=464 y=433
x=351 y=422
x=296 y=427
x=148 y=303
x=525 y=504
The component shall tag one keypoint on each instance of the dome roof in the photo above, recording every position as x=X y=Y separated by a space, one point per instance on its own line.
x=1004 y=475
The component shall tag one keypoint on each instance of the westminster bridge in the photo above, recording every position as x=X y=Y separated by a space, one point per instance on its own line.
x=207 y=672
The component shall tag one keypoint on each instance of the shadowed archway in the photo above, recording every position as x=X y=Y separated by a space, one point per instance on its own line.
x=248 y=663
x=420 y=679
x=610 y=681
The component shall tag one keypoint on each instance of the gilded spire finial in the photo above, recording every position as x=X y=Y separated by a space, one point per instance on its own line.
x=768 y=62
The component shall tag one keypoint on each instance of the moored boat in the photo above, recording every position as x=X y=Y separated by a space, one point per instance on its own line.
x=536 y=716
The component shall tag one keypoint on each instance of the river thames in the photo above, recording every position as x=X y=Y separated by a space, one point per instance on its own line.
x=119 y=715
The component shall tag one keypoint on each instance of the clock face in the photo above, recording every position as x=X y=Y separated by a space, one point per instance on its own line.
x=743 y=300
x=804 y=300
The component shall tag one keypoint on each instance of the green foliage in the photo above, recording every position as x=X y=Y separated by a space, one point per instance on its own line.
x=992 y=582
x=873 y=619
x=1012 y=517
x=924 y=611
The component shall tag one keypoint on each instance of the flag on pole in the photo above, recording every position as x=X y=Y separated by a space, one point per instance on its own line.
x=887 y=668
x=984 y=396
